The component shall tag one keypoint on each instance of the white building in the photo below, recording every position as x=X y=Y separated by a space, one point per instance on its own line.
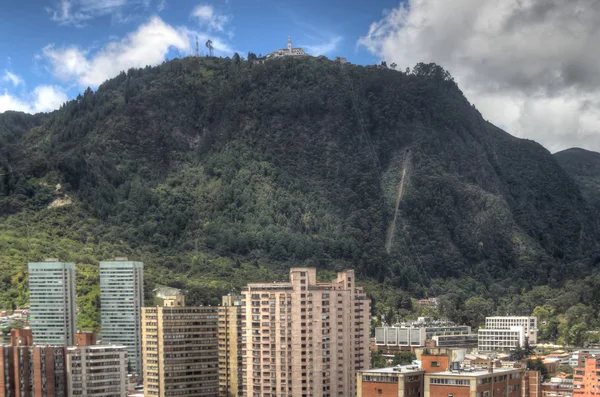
x=97 y=371
x=52 y=302
x=121 y=299
x=416 y=335
x=503 y=339
x=285 y=52
x=508 y=322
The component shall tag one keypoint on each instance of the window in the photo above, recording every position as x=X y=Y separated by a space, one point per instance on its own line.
x=435 y=363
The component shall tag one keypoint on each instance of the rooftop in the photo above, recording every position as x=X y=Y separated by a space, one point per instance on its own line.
x=471 y=372
x=401 y=369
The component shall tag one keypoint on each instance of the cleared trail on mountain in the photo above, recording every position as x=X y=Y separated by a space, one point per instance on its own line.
x=390 y=234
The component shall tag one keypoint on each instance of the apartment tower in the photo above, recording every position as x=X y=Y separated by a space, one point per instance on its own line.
x=180 y=351
x=230 y=346
x=121 y=300
x=52 y=302
x=304 y=338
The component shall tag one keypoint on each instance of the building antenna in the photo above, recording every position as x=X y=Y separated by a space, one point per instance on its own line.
x=196 y=46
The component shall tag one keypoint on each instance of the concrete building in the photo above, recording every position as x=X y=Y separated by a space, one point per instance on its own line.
x=52 y=302
x=416 y=335
x=180 y=351
x=96 y=370
x=501 y=339
x=303 y=337
x=404 y=381
x=286 y=52
x=31 y=371
x=586 y=382
x=507 y=322
x=230 y=346
x=466 y=340
x=121 y=299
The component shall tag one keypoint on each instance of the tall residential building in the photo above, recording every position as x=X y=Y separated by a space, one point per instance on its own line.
x=96 y=370
x=121 y=300
x=230 y=346
x=180 y=351
x=586 y=382
x=303 y=337
x=31 y=371
x=52 y=302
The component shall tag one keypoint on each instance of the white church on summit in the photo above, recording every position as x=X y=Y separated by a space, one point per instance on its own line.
x=286 y=52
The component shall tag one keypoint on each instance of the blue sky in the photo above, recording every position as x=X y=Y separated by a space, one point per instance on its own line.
x=53 y=49
x=532 y=67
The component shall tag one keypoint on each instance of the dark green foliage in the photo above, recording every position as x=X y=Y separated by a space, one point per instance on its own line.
x=216 y=172
x=538 y=365
x=403 y=358
x=584 y=167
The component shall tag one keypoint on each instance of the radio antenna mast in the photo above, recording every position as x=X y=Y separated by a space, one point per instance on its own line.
x=197 y=47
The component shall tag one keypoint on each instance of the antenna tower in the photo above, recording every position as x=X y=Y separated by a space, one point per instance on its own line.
x=196 y=46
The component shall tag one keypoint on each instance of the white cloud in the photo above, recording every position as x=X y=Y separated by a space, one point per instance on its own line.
x=530 y=66
x=12 y=78
x=207 y=17
x=323 y=48
x=162 y=4
x=44 y=98
x=78 y=12
x=148 y=45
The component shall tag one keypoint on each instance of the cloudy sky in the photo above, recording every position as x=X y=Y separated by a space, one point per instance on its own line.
x=531 y=67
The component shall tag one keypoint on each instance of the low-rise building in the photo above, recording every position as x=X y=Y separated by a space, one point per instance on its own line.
x=405 y=337
x=504 y=339
x=474 y=383
x=406 y=381
x=286 y=52
x=557 y=387
x=96 y=370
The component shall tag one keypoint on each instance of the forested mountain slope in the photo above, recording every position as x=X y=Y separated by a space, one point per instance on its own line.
x=215 y=172
x=584 y=167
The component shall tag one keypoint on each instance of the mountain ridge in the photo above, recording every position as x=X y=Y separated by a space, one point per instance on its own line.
x=215 y=171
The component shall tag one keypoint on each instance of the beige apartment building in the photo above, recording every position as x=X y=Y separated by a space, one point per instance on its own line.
x=304 y=338
x=230 y=346
x=97 y=371
x=180 y=351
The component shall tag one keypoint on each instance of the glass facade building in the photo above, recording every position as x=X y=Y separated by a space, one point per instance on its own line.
x=121 y=299
x=52 y=302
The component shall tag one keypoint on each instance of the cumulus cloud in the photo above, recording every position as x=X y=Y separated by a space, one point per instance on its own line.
x=530 y=66
x=44 y=98
x=148 y=45
x=12 y=78
x=207 y=17
x=324 y=48
x=78 y=12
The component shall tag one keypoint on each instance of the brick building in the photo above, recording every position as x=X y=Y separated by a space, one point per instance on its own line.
x=31 y=371
x=491 y=382
x=406 y=381
x=586 y=382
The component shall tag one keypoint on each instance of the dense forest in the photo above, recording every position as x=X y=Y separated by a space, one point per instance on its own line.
x=216 y=172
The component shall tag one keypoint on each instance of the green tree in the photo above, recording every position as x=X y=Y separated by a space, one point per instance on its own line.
x=403 y=358
x=377 y=360
x=538 y=365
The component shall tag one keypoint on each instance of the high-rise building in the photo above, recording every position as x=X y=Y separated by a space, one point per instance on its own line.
x=180 y=351
x=31 y=371
x=96 y=370
x=404 y=381
x=586 y=382
x=230 y=346
x=303 y=337
x=121 y=300
x=52 y=302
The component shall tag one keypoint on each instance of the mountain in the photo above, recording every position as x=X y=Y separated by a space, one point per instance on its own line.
x=215 y=172
x=584 y=167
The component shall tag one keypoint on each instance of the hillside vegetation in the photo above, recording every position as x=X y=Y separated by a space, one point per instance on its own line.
x=216 y=172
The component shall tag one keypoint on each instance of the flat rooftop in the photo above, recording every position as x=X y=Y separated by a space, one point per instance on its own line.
x=470 y=372
x=404 y=369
